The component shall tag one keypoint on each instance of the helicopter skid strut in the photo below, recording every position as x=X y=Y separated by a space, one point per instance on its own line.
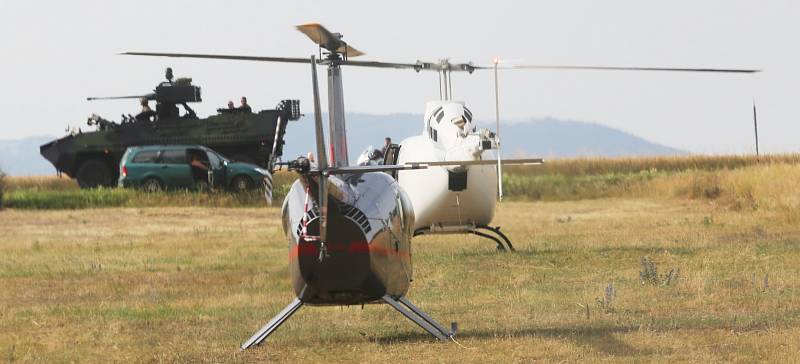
x=479 y=230
x=419 y=317
x=273 y=324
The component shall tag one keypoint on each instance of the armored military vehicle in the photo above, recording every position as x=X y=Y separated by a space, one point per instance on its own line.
x=238 y=133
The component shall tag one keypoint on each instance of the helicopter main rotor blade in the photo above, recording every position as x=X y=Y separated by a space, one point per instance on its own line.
x=437 y=66
x=220 y=56
x=607 y=68
x=376 y=64
x=434 y=66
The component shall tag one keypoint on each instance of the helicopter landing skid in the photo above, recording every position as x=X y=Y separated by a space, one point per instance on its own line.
x=419 y=317
x=499 y=238
x=496 y=231
x=273 y=324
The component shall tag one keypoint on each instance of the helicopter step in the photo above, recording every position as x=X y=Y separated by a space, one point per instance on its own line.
x=499 y=237
x=413 y=313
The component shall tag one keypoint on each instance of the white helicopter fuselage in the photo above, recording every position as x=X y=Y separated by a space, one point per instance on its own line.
x=452 y=198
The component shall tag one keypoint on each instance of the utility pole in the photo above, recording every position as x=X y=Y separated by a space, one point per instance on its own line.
x=755 y=123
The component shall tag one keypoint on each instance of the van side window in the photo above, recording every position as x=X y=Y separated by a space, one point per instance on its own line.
x=147 y=156
x=173 y=156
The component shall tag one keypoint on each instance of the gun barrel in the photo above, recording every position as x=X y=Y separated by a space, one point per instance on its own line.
x=148 y=97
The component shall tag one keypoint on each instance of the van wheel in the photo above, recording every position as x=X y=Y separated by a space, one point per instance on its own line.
x=94 y=173
x=242 y=183
x=152 y=185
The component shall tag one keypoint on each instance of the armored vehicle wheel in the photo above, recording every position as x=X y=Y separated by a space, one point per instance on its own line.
x=152 y=185
x=94 y=173
x=242 y=183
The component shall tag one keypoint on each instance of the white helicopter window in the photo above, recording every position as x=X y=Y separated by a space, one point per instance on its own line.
x=435 y=112
x=433 y=134
x=468 y=115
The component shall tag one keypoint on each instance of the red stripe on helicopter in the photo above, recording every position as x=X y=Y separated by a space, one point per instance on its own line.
x=359 y=247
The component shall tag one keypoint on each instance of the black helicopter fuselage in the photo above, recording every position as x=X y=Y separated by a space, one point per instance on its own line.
x=367 y=252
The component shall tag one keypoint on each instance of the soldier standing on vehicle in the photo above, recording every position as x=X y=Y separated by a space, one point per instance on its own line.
x=244 y=107
x=147 y=113
x=386 y=143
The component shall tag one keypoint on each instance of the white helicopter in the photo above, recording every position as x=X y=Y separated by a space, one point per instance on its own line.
x=447 y=197
x=457 y=199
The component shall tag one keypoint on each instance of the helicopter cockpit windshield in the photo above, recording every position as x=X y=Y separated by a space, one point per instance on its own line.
x=370 y=157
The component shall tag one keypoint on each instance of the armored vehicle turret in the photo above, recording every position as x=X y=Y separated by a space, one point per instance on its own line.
x=238 y=133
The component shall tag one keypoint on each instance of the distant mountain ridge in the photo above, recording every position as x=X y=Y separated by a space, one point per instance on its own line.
x=548 y=138
x=20 y=157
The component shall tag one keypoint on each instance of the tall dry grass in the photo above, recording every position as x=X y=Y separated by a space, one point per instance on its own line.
x=771 y=187
x=626 y=165
x=49 y=183
x=736 y=182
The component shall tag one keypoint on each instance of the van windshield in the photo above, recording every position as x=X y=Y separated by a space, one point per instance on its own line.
x=221 y=158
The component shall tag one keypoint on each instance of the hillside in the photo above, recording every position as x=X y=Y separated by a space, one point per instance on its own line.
x=540 y=137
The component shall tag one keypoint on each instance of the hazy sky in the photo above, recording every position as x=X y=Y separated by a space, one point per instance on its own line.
x=56 y=53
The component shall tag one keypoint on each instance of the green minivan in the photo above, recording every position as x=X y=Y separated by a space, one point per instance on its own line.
x=160 y=167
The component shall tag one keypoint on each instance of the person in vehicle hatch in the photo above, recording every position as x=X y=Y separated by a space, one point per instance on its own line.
x=147 y=113
x=244 y=107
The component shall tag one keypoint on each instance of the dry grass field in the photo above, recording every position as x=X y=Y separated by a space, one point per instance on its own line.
x=190 y=284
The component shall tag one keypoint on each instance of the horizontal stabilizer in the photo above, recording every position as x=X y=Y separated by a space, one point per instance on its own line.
x=424 y=165
x=485 y=162
x=377 y=168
